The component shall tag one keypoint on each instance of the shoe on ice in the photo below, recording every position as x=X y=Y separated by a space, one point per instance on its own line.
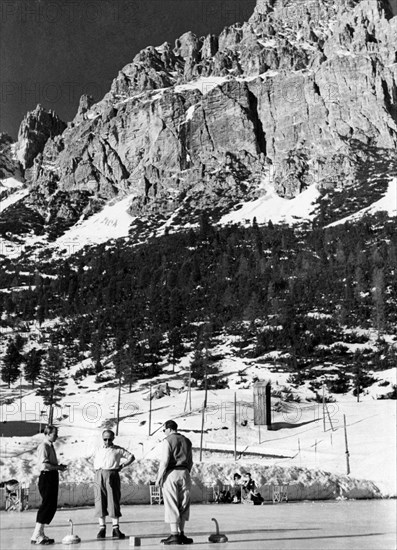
x=43 y=540
x=101 y=533
x=117 y=534
x=185 y=539
x=172 y=539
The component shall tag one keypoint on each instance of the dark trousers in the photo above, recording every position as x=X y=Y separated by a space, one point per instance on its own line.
x=48 y=488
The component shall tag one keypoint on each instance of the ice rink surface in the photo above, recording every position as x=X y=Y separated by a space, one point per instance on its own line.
x=336 y=525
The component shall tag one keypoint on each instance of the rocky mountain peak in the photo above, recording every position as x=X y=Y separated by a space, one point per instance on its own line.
x=36 y=128
x=295 y=96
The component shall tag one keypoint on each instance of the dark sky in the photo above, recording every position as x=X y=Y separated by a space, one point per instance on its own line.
x=53 y=51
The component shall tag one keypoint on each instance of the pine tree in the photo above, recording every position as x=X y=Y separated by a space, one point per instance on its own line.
x=361 y=378
x=52 y=381
x=33 y=365
x=378 y=297
x=11 y=364
x=176 y=346
x=154 y=351
x=19 y=342
x=176 y=308
x=96 y=349
x=135 y=360
x=201 y=366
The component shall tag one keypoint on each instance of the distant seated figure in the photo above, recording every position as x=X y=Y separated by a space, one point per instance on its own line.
x=222 y=495
x=236 y=489
x=250 y=492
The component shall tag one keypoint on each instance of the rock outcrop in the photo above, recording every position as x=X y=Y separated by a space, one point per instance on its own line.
x=35 y=129
x=10 y=169
x=281 y=98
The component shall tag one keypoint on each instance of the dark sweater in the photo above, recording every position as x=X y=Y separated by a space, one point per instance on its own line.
x=180 y=455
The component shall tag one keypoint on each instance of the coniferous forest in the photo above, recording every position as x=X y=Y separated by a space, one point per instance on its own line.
x=302 y=292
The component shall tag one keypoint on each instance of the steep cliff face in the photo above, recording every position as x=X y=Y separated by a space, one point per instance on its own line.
x=285 y=98
x=36 y=128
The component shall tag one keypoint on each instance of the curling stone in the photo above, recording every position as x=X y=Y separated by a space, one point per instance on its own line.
x=217 y=537
x=71 y=539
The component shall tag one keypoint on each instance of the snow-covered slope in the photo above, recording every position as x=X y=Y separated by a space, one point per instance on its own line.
x=388 y=203
x=112 y=222
x=300 y=438
x=272 y=207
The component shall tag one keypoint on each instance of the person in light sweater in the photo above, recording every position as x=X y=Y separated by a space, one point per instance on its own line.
x=174 y=478
x=107 y=465
x=48 y=485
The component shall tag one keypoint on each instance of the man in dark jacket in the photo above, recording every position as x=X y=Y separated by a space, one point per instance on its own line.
x=174 y=478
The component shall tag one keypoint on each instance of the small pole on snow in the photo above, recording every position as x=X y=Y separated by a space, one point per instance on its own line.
x=202 y=417
x=118 y=407
x=346 y=447
x=190 y=388
x=323 y=408
x=329 y=417
x=150 y=410
x=20 y=393
x=235 y=427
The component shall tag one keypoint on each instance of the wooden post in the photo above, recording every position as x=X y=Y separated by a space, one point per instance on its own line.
x=150 y=410
x=20 y=393
x=346 y=447
x=323 y=408
x=235 y=427
x=202 y=417
x=118 y=407
x=268 y=407
x=186 y=399
x=329 y=417
x=190 y=388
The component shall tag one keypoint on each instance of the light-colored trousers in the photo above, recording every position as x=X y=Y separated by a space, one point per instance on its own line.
x=176 y=494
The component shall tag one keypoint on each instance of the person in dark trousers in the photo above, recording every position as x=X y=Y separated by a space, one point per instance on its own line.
x=174 y=477
x=107 y=483
x=48 y=485
x=249 y=490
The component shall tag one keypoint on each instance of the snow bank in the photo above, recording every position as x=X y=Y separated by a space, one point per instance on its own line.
x=272 y=207
x=303 y=484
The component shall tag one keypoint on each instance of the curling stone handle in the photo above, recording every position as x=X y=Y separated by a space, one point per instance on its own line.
x=216 y=525
x=71 y=526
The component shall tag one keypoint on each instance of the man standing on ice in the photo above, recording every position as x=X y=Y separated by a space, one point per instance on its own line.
x=48 y=485
x=174 y=477
x=107 y=483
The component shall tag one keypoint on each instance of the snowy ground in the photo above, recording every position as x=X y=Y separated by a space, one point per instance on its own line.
x=302 y=449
